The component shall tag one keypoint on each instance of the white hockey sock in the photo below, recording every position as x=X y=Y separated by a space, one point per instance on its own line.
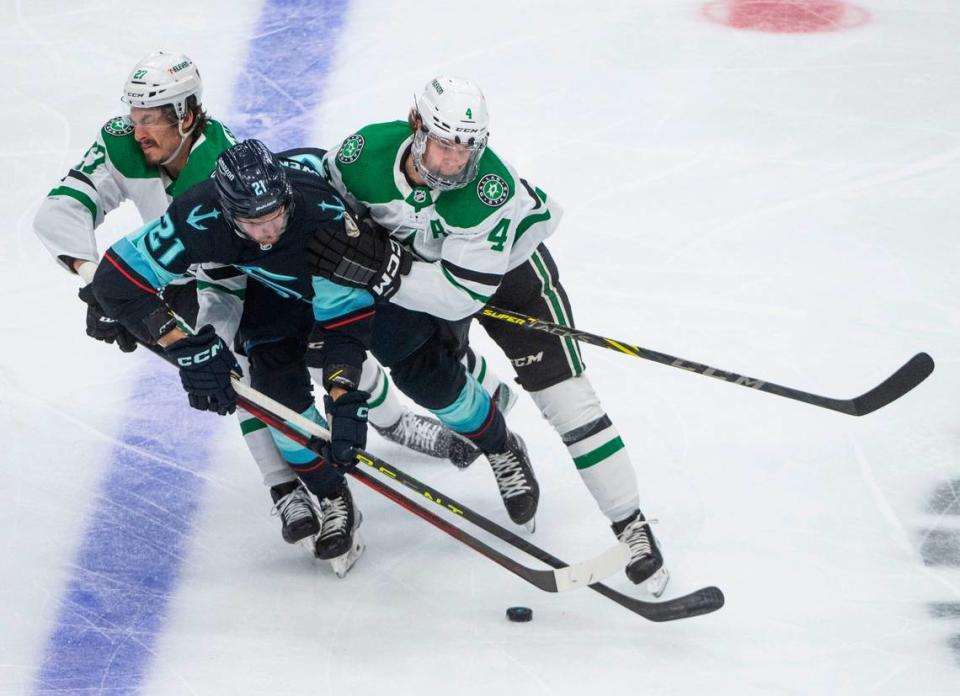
x=594 y=443
x=263 y=450
x=385 y=407
x=477 y=366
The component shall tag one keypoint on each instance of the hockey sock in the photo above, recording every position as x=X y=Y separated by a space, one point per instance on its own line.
x=264 y=451
x=317 y=475
x=474 y=415
x=477 y=366
x=385 y=407
x=594 y=443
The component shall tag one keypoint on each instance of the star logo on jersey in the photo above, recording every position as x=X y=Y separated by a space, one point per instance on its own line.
x=493 y=190
x=118 y=126
x=351 y=149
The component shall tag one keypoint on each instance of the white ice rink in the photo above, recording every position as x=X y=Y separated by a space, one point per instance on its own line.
x=782 y=205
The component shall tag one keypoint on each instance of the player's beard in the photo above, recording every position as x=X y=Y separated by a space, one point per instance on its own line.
x=153 y=155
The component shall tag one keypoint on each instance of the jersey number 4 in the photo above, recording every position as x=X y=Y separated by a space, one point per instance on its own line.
x=498 y=235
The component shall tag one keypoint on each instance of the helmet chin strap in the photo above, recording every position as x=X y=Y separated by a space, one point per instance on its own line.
x=183 y=139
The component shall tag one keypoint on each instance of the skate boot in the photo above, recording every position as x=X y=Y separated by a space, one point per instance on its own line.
x=429 y=436
x=646 y=561
x=339 y=540
x=517 y=482
x=295 y=508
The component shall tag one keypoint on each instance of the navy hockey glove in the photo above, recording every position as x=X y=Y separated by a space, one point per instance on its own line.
x=205 y=365
x=366 y=258
x=348 y=427
x=102 y=327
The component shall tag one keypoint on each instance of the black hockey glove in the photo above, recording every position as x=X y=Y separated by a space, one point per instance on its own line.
x=348 y=427
x=205 y=365
x=367 y=259
x=102 y=327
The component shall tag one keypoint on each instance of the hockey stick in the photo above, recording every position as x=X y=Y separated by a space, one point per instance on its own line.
x=702 y=601
x=912 y=373
x=307 y=433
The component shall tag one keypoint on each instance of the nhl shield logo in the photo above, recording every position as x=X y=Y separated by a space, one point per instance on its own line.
x=351 y=149
x=493 y=190
x=419 y=196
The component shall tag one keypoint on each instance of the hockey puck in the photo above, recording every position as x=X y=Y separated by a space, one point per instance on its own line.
x=520 y=614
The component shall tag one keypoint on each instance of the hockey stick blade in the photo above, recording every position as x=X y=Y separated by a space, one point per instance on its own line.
x=912 y=373
x=702 y=601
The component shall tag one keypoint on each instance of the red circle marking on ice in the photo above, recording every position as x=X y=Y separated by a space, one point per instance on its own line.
x=786 y=16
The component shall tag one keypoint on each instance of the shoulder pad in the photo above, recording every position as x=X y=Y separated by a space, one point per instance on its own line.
x=118 y=126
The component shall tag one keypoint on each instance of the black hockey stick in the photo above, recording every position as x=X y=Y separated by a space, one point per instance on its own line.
x=702 y=601
x=912 y=373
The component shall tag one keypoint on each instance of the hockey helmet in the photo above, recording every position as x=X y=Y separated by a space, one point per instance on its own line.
x=251 y=182
x=453 y=114
x=163 y=78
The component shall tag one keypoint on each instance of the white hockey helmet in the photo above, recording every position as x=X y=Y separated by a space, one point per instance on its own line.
x=453 y=113
x=163 y=78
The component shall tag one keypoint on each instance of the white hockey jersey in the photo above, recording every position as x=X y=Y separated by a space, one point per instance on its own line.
x=466 y=239
x=113 y=170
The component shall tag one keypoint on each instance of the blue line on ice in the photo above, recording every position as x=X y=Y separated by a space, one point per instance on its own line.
x=138 y=533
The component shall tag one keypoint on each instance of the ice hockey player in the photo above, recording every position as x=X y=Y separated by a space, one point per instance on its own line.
x=165 y=145
x=466 y=230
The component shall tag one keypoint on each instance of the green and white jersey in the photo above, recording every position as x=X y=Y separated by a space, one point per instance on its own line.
x=466 y=240
x=113 y=170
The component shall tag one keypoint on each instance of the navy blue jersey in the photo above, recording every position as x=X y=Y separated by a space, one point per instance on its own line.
x=194 y=230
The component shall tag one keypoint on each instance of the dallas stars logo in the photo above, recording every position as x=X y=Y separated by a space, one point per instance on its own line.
x=351 y=148
x=493 y=190
x=118 y=126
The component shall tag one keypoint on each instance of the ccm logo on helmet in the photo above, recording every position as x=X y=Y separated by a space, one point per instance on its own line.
x=200 y=358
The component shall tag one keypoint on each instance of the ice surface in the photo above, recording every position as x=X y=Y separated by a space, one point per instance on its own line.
x=779 y=205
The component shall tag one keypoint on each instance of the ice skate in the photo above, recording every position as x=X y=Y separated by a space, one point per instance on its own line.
x=339 y=540
x=646 y=561
x=297 y=512
x=429 y=436
x=516 y=480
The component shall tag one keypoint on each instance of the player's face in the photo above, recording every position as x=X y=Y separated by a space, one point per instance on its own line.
x=265 y=229
x=155 y=134
x=444 y=157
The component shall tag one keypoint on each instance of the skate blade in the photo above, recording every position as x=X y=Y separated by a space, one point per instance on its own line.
x=657 y=582
x=530 y=526
x=342 y=564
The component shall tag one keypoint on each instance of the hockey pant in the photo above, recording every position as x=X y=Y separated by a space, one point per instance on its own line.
x=552 y=370
x=425 y=356
x=222 y=292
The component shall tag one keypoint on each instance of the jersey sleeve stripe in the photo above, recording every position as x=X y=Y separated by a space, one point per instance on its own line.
x=78 y=196
x=453 y=281
x=221 y=272
x=216 y=287
x=116 y=264
x=528 y=222
x=492 y=279
x=80 y=176
x=142 y=264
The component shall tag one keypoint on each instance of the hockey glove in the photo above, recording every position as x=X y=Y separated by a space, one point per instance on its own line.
x=348 y=427
x=205 y=365
x=367 y=259
x=102 y=327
